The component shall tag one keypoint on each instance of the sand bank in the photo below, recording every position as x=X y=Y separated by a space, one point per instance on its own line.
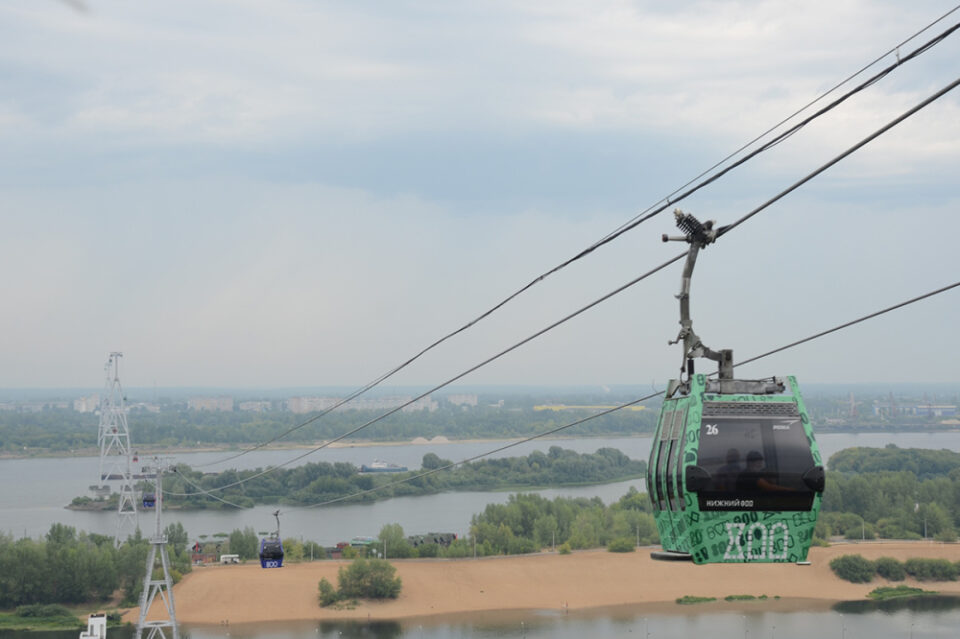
x=583 y=580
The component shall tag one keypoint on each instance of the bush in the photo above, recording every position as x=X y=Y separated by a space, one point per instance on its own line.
x=948 y=535
x=853 y=568
x=923 y=569
x=369 y=579
x=890 y=569
x=621 y=544
x=564 y=549
x=328 y=594
x=43 y=610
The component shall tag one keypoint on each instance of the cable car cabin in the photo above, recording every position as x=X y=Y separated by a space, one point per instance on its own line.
x=735 y=476
x=149 y=500
x=271 y=553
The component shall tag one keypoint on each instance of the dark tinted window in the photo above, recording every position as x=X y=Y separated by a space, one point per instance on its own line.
x=271 y=549
x=676 y=442
x=653 y=485
x=664 y=449
x=755 y=455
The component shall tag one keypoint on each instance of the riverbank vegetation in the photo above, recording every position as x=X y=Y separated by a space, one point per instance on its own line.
x=884 y=593
x=67 y=567
x=64 y=430
x=362 y=579
x=857 y=569
x=315 y=483
x=892 y=493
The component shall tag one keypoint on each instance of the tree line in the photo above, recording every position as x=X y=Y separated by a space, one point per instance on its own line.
x=892 y=493
x=313 y=483
x=70 y=567
x=63 y=430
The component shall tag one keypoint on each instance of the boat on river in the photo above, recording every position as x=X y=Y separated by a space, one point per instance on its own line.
x=380 y=466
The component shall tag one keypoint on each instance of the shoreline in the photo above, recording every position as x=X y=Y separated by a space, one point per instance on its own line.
x=216 y=448
x=576 y=584
x=440 y=440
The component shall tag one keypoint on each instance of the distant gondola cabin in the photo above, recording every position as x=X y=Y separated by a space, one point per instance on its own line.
x=271 y=553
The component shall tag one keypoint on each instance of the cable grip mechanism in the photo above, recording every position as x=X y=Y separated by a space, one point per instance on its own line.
x=698 y=235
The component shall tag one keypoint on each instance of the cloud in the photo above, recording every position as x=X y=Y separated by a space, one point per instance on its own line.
x=296 y=193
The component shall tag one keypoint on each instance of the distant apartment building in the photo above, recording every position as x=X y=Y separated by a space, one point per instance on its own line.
x=317 y=404
x=462 y=400
x=424 y=403
x=310 y=404
x=255 y=407
x=87 y=404
x=144 y=406
x=223 y=404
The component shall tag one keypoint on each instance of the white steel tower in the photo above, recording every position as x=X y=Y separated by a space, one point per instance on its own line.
x=164 y=585
x=115 y=454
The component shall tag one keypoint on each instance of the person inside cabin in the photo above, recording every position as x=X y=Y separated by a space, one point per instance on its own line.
x=726 y=476
x=756 y=477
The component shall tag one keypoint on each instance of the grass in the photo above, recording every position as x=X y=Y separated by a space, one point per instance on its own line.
x=897 y=592
x=12 y=621
x=687 y=600
x=741 y=597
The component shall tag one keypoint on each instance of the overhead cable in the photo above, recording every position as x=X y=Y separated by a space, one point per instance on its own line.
x=622 y=288
x=661 y=205
x=563 y=427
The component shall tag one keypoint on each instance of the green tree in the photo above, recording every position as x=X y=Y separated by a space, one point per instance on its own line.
x=328 y=594
x=853 y=568
x=394 y=542
x=369 y=579
x=244 y=543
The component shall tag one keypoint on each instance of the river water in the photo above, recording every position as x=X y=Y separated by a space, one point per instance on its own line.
x=934 y=618
x=37 y=489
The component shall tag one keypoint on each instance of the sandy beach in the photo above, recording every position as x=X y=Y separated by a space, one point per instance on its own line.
x=583 y=580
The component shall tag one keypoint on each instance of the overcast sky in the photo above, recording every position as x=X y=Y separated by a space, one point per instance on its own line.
x=284 y=193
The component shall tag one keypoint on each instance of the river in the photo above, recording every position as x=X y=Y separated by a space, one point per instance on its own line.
x=933 y=618
x=37 y=489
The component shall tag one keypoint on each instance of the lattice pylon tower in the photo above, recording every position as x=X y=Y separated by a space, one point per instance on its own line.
x=115 y=453
x=162 y=586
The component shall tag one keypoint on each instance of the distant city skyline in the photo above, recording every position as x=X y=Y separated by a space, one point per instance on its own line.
x=307 y=194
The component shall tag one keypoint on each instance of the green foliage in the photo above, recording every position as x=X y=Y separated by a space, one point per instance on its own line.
x=924 y=569
x=621 y=544
x=64 y=429
x=740 y=597
x=890 y=569
x=43 y=610
x=393 y=539
x=369 y=579
x=328 y=594
x=564 y=549
x=853 y=568
x=687 y=600
x=292 y=550
x=887 y=592
x=244 y=543
x=920 y=462
x=313 y=483
x=528 y=522
x=898 y=493
x=69 y=567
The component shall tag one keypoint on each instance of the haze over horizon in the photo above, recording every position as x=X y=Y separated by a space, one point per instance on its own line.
x=306 y=194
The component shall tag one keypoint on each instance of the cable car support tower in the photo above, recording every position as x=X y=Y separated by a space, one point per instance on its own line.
x=115 y=454
x=162 y=586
